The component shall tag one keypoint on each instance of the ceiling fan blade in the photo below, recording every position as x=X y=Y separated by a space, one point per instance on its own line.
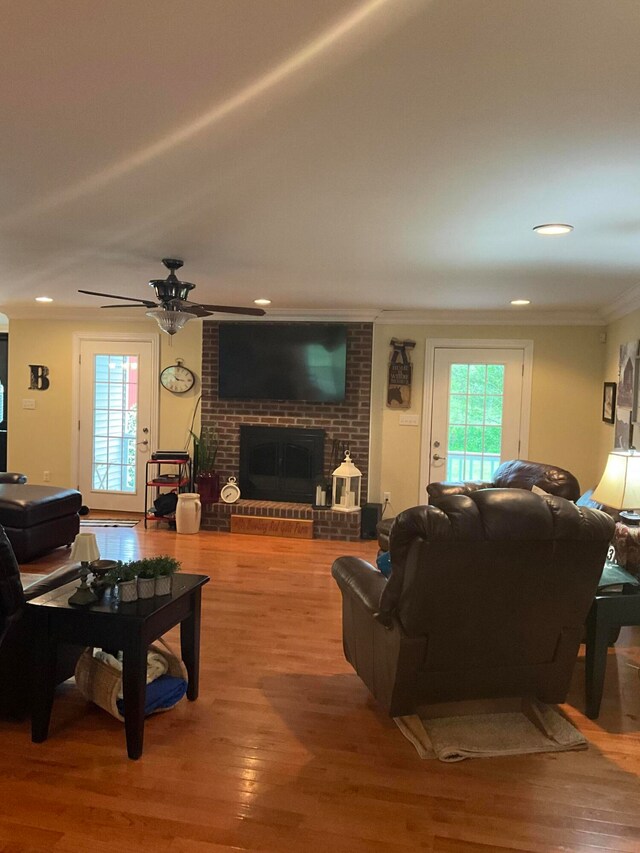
x=116 y=296
x=139 y=305
x=230 y=309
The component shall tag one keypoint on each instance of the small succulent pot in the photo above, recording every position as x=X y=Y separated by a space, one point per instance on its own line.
x=163 y=584
x=128 y=590
x=146 y=587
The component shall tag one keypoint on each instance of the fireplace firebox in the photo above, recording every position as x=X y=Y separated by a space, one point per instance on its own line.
x=280 y=463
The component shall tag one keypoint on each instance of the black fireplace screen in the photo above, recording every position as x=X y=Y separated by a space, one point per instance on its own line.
x=280 y=463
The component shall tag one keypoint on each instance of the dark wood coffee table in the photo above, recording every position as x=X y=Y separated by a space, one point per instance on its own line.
x=111 y=625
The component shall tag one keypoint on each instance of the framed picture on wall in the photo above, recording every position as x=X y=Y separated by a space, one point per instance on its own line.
x=609 y=403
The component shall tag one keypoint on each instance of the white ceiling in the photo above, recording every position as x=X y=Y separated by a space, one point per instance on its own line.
x=332 y=155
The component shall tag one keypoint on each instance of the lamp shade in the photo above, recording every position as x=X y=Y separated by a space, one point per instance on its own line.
x=170 y=321
x=620 y=484
x=85 y=548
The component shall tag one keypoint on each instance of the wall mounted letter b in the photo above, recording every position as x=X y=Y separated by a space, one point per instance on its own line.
x=39 y=377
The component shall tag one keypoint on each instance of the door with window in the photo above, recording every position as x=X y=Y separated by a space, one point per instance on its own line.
x=479 y=411
x=116 y=420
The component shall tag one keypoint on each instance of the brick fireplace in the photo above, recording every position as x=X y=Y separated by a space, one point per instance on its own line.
x=344 y=424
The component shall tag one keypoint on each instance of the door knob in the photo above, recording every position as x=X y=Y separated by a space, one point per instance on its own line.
x=437 y=456
x=143 y=443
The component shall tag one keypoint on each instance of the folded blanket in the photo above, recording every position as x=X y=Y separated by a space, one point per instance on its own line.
x=156 y=664
x=164 y=692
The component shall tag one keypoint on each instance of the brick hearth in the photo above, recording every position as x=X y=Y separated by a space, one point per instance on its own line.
x=327 y=524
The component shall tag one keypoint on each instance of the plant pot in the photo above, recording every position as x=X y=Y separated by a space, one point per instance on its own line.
x=146 y=587
x=128 y=590
x=163 y=584
x=208 y=487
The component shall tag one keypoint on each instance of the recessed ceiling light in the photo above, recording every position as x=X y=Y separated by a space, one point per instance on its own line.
x=262 y=301
x=521 y=302
x=44 y=299
x=553 y=228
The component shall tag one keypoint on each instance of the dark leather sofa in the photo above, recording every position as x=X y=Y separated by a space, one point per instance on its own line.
x=16 y=631
x=487 y=598
x=513 y=474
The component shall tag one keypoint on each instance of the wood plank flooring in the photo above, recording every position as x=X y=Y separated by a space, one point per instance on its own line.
x=285 y=750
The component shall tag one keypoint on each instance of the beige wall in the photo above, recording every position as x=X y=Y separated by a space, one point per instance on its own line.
x=41 y=439
x=565 y=429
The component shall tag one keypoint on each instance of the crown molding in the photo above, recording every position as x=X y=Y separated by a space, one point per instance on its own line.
x=490 y=318
x=626 y=303
x=515 y=317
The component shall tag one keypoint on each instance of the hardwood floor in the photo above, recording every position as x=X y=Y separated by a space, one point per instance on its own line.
x=285 y=751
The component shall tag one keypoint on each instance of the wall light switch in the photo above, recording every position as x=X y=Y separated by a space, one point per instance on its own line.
x=28 y=404
x=408 y=420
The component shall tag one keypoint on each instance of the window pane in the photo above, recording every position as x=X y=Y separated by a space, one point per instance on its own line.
x=459 y=378
x=457 y=435
x=476 y=410
x=493 y=412
x=457 y=409
x=477 y=378
x=495 y=379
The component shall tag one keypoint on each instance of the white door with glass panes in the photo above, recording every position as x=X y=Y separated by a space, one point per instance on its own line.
x=115 y=423
x=477 y=411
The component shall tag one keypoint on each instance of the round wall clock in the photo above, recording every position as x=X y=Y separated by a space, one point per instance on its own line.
x=230 y=492
x=177 y=378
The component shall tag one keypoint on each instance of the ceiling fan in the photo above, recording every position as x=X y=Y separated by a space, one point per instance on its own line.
x=174 y=309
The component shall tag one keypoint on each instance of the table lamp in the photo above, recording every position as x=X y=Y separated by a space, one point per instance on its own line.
x=619 y=486
x=85 y=550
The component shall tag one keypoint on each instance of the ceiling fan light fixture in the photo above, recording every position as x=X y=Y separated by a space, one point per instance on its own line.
x=262 y=302
x=521 y=302
x=170 y=321
x=553 y=229
x=44 y=299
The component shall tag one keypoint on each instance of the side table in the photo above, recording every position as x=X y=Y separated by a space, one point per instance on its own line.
x=129 y=627
x=607 y=613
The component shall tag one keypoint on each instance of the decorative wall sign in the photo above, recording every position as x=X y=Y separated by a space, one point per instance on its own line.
x=609 y=403
x=39 y=377
x=626 y=402
x=400 y=370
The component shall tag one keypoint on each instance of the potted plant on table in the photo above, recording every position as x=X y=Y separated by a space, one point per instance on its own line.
x=125 y=579
x=165 y=568
x=146 y=572
x=205 y=450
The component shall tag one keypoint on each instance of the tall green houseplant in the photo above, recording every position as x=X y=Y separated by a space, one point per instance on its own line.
x=205 y=450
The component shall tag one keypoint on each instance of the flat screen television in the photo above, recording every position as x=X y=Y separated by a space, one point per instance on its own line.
x=283 y=361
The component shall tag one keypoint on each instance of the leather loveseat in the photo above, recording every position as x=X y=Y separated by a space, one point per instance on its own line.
x=513 y=474
x=487 y=599
x=16 y=630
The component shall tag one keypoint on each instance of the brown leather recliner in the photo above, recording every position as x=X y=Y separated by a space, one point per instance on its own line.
x=513 y=474
x=16 y=631
x=487 y=599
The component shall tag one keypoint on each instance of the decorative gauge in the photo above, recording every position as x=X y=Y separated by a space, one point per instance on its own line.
x=177 y=378
x=230 y=492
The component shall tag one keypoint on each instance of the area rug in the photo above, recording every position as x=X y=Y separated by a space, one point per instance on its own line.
x=534 y=727
x=109 y=522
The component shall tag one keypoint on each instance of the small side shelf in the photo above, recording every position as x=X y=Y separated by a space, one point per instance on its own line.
x=177 y=479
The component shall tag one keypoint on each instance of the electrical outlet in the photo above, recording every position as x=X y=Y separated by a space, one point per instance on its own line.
x=386 y=497
x=28 y=404
x=46 y=476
